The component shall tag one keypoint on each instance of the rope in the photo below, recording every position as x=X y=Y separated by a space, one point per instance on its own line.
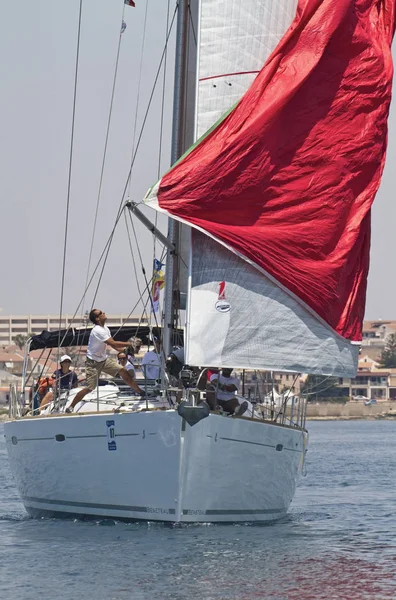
x=121 y=207
x=104 y=151
x=148 y=284
x=317 y=386
x=144 y=271
x=70 y=171
x=34 y=366
x=148 y=106
x=161 y=125
x=139 y=86
x=134 y=264
x=284 y=402
x=108 y=243
x=192 y=23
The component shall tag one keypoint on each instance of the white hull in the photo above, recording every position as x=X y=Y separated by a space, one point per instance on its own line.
x=221 y=469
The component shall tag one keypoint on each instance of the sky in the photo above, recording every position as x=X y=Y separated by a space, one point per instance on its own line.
x=38 y=42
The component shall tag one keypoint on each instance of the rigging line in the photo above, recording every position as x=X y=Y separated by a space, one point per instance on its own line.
x=40 y=376
x=283 y=405
x=92 y=276
x=135 y=306
x=126 y=318
x=133 y=260
x=120 y=208
x=70 y=170
x=192 y=23
x=104 y=150
x=148 y=106
x=141 y=318
x=140 y=299
x=144 y=271
x=105 y=258
x=34 y=366
x=163 y=96
x=161 y=121
x=313 y=389
x=312 y=393
x=139 y=87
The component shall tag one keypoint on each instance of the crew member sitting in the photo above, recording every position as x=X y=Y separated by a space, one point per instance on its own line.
x=125 y=361
x=63 y=379
x=225 y=388
x=151 y=363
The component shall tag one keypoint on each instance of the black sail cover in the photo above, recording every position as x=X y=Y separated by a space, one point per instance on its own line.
x=79 y=337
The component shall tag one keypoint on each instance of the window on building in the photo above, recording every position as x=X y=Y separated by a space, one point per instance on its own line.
x=378 y=380
x=362 y=379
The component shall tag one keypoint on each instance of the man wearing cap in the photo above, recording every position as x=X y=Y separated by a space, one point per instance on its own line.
x=64 y=379
x=98 y=361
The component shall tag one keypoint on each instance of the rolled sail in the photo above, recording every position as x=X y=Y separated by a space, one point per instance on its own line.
x=279 y=190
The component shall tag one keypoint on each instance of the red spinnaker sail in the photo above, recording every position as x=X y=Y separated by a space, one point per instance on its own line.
x=287 y=179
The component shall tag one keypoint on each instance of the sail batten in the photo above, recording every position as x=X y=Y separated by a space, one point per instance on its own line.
x=287 y=180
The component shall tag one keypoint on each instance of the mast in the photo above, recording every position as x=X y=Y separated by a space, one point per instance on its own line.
x=178 y=143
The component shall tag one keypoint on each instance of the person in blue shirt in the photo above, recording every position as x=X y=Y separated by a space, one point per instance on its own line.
x=63 y=379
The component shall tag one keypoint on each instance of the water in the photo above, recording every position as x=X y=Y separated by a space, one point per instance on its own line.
x=338 y=542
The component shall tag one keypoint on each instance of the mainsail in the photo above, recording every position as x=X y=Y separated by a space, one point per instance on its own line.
x=279 y=191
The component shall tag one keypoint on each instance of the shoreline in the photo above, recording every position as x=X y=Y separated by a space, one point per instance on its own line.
x=387 y=417
x=380 y=417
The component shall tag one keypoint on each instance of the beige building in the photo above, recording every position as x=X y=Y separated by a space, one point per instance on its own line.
x=378 y=384
x=375 y=333
x=12 y=325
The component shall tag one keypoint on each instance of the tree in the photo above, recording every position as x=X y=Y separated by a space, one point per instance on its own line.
x=388 y=354
x=321 y=386
x=20 y=340
x=73 y=352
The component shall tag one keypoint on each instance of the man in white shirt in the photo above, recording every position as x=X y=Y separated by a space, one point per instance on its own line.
x=226 y=387
x=151 y=363
x=98 y=361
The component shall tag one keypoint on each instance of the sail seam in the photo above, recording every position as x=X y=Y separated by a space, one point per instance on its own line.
x=229 y=75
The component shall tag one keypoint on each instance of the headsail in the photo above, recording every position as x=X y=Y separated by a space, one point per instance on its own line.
x=285 y=181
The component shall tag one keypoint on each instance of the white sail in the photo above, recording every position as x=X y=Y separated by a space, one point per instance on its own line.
x=235 y=40
x=264 y=326
x=253 y=323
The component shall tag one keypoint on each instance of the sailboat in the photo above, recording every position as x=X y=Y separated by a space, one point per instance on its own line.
x=270 y=211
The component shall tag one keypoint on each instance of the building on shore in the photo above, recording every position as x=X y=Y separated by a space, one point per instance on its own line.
x=13 y=325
